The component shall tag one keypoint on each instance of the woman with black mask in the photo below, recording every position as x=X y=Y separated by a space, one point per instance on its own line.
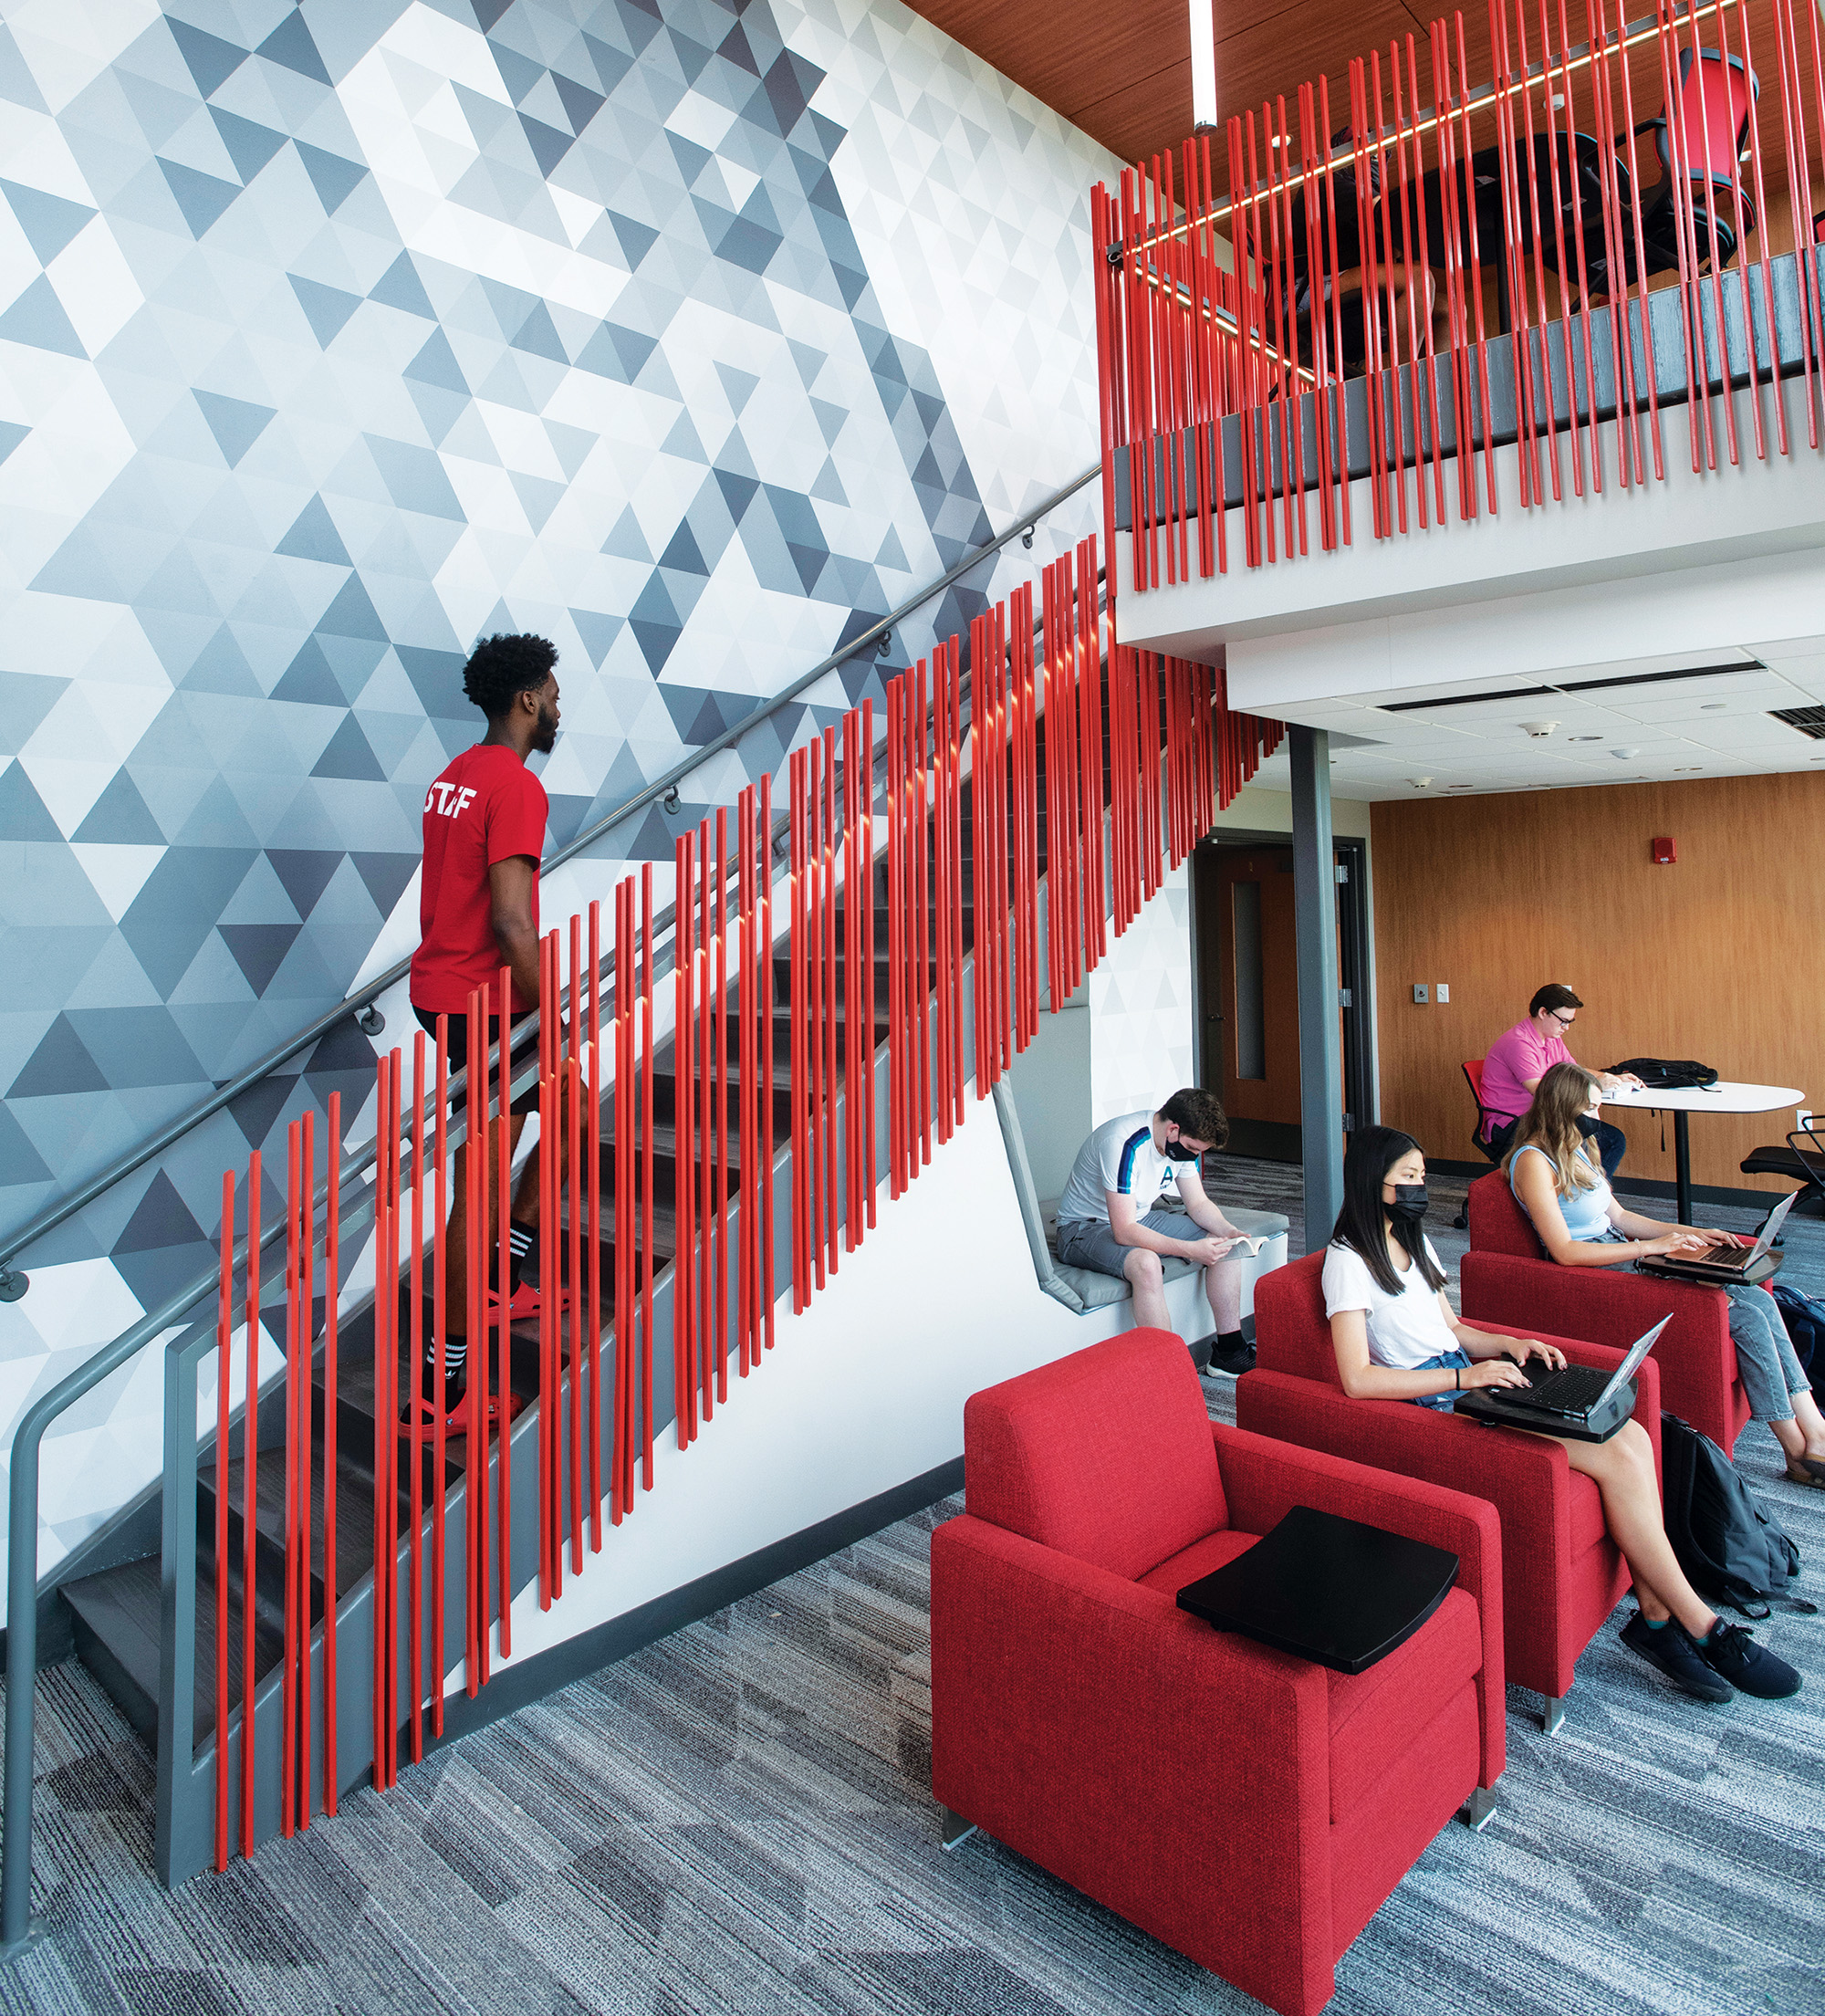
x=1558 y=1183
x=1397 y=1338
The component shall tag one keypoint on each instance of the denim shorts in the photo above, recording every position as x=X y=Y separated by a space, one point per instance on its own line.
x=1450 y=1361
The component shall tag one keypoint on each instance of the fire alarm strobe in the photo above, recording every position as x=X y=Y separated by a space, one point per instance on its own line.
x=1663 y=854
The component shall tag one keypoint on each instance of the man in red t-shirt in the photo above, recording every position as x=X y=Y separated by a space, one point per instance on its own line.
x=478 y=912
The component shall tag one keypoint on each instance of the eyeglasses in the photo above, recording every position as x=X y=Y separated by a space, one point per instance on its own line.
x=1564 y=1021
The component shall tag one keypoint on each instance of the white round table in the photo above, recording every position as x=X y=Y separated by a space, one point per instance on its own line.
x=1723 y=1097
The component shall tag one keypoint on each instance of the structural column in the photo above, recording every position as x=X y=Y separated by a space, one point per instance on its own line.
x=1315 y=933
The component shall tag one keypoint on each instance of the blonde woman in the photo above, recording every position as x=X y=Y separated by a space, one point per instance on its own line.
x=1561 y=1187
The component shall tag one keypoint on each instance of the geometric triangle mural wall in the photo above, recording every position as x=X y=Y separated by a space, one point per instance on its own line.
x=333 y=336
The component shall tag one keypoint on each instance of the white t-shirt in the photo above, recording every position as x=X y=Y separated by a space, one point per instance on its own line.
x=1404 y=1330
x=1120 y=1156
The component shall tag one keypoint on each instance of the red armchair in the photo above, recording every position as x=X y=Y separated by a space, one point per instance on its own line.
x=1506 y=1278
x=1562 y=1573
x=1251 y=1810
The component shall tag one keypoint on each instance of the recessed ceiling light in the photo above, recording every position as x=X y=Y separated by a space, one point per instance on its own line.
x=1625 y=756
x=1584 y=738
x=1689 y=769
x=1712 y=706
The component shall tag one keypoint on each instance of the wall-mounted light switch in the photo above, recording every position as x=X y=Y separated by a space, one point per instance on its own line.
x=1441 y=992
x=1422 y=994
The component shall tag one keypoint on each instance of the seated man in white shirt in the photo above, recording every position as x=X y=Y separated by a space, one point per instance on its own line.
x=1107 y=1221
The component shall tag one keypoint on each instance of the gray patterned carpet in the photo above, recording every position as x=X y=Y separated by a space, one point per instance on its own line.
x=738 y=1819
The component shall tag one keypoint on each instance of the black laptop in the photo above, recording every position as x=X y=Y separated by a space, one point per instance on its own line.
x=1579 y=1402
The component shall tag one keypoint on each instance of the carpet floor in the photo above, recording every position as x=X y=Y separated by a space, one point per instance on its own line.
x=739 y=1819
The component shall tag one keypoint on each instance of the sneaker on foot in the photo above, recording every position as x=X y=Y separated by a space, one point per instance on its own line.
x=1731 y=1652
x=1234 y=1362
x=1672 y=1651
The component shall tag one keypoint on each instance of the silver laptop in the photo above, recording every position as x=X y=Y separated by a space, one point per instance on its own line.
x=1727 y=1262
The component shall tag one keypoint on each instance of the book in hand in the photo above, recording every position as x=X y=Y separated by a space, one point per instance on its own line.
x=1251 y=1246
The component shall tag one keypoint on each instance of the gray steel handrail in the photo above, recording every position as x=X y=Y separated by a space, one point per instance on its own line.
x=18 y=1929
x=14 y=1281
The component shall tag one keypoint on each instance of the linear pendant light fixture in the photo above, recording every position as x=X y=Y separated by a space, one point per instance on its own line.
x=1204 y=62
x=1567 y=686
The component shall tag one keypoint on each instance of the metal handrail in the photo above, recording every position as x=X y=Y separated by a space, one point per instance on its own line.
x=18 y=1929
x=15 y=1281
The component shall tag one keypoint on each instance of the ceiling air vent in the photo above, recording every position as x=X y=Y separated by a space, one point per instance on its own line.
x=1808 y=720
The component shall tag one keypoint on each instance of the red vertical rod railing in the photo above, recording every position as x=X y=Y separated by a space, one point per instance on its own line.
x=293 y=1350
x=865 y=1091
x=593 y=1432
x=501 y=1407
x=764 y=945
x=827 y=842
x=922 y=800
x=332 y=1289
x=705 y=1157
x=224 y=1339
x=720 y=1304
x=647 y=1262
x=684 y=961
x=250 y=1485
x=620 y=1480
x=474 y=1205
x=415 y=1454
x=950 y=660
x=572 y=1112
x=799 y=1079
x=747 y=996
x=896 y=1062
x=440 y=1317
x=307 y=1520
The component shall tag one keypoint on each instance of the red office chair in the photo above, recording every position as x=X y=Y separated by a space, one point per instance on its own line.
x=1562 y=1573
x=1711 y=114
x=1250 y=1809
x=1507 y=1277
x=1473 y=1077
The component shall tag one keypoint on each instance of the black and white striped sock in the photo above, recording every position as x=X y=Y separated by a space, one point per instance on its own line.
x=520 y=1236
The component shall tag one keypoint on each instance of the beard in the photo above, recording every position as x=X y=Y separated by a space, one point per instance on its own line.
x=545 y=738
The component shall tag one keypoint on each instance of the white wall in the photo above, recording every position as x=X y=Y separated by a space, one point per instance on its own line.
x=862 y=1393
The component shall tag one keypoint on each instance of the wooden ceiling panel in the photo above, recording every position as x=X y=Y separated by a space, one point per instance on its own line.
x=1122 y=72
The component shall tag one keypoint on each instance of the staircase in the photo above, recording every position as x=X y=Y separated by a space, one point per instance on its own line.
x=116 y=1613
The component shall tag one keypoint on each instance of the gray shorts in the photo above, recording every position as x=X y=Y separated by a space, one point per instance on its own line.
x=1089 y=1242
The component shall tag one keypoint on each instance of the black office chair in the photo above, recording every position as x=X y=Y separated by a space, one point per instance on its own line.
x=1803 y=1160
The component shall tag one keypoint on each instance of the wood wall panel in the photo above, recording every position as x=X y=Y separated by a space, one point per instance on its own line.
x=1720 y=958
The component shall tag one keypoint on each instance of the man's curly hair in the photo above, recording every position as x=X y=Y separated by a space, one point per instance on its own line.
x=499 y=667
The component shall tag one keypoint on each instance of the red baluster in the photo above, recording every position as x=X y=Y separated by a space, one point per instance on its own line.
x=224 y=1338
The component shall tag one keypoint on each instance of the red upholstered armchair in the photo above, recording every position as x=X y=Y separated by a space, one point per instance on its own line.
x=1248 y=1808
x=1506 y=1278
x=1562 y=1573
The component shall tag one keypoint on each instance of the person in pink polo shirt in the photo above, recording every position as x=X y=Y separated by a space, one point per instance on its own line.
x=1520 y=1057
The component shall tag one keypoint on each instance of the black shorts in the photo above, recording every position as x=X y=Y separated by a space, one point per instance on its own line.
x=457 y=1037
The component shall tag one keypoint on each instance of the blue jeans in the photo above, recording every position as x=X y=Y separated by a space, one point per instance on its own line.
x=1451 y=1361
x=1765 y=1360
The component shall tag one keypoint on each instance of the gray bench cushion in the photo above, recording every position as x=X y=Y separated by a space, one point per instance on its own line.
x=1096 y=1291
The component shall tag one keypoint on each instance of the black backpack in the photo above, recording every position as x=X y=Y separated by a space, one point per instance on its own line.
x=1729 y=1547
x=1804 y=1316
x=1667 y=1074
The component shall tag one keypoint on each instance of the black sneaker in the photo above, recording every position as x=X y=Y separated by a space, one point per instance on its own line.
x=1235 y=1362
x=1730 y=1651
x=1671 y=1650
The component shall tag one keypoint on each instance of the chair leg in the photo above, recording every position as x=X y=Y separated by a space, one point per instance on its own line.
x=1478 y=1809
x=1462 y=1221
x=1552 y=1719
x=957 y=1830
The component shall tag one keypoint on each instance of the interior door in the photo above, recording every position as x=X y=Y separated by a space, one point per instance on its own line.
x=1257 y=984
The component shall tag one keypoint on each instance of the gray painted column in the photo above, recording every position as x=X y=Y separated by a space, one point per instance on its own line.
x=1315 y=933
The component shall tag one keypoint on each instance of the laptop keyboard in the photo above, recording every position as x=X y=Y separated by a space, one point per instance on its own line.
x=1575 y=1389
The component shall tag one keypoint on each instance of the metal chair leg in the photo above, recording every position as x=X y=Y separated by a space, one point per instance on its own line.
x=1478 y=1809
x=1552 y=1718
x=957 y=1830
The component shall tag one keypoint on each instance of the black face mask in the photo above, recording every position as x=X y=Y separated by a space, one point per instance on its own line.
x=1410 y=1203
x=1176 y=1150
x=1588 y=1125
